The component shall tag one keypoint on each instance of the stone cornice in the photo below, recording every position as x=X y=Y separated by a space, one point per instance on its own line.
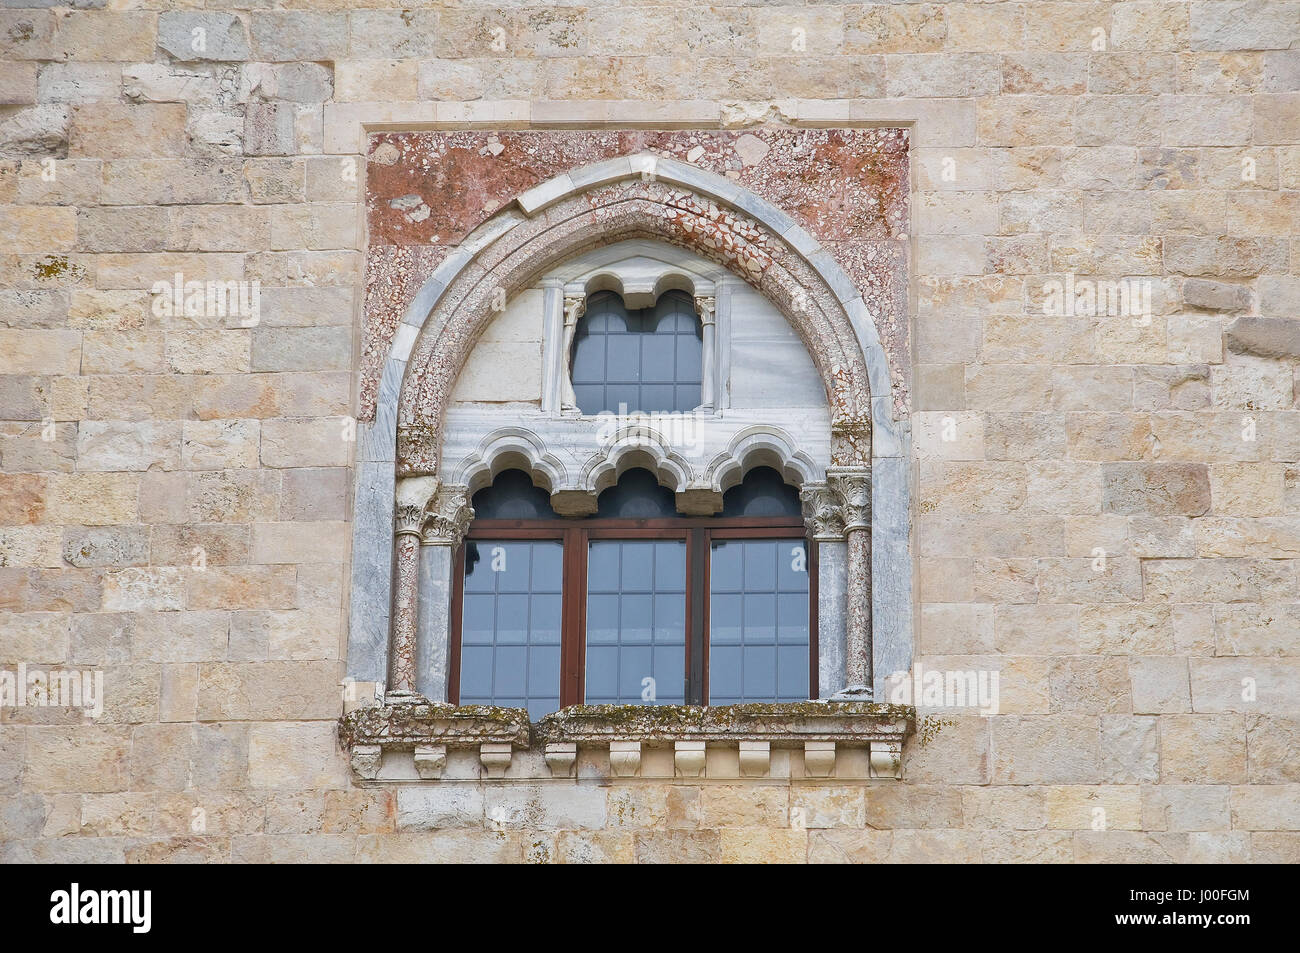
x=783 y=725
x=406 y=726
x=427 y=731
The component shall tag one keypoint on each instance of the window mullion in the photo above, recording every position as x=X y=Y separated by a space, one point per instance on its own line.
x=573 y=610
x=697 y=616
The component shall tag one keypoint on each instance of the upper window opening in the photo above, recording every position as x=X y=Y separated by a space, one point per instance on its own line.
x=637 y=495
x=762 y=493
x=512 y=496
x=647 y=359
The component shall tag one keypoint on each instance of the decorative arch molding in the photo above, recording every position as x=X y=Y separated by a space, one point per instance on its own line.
x=662 y=200
x=508 y=448
x=631 y=446
x=761 y=447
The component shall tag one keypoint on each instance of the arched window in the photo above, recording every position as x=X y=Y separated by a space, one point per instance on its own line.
x=647 y=359
x=637 y=604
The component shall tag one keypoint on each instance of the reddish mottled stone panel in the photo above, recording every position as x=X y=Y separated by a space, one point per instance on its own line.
x=426 y=191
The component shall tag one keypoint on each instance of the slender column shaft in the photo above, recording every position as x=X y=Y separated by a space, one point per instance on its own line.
x=405 y=610
x=707 y=308
x=857 y=652
x=574 y=307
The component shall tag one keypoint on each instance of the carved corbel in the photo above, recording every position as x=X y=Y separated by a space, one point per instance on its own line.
x=886 y=759
x=818 y=758
x=430 y=760
x=495 y=758
x=755 y=758
x=624 y=758
x=365 y=761
x=689 y=758
x=560 y=757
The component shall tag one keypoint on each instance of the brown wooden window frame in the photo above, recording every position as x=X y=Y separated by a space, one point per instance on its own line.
x=698 y=534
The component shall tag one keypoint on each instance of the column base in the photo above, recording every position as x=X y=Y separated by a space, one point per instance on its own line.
x=404 y=697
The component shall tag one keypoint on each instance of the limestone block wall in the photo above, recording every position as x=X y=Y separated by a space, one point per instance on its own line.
x=1108 y=504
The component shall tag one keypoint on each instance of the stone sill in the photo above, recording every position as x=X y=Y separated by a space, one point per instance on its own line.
x=428 y=730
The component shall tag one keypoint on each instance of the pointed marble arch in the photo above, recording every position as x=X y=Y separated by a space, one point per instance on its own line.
x=640 y=196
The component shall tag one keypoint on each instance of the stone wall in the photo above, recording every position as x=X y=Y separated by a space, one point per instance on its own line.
x=1108 y=505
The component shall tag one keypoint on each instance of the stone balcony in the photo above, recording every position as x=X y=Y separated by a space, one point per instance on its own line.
x=425 y=741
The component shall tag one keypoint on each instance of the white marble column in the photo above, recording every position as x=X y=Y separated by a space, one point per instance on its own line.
x=707 y=308
x=575 y=305
x=449 y=518
x=824 y=518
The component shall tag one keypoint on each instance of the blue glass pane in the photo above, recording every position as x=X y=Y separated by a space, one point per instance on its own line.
x=622 y=399
x=511 y=675
x=724 y=672
x=544 y=614
x=659 y=397
x=602 y=617
x=760 y=567
x=658 y=359
x=638 y=563
x=758 y=622
x=670 y=618
x=603 y=567
x=589 y=362
x=686 y=397
x=476 y=671
x=759 y=678
x=689 y=357
x=725 y=618
x=792 y=567
x=591 y=395
x=510 y=625
x=792 y=672
x=792 y=617
x=623 y=360
x=512 y=618
x=724 y=571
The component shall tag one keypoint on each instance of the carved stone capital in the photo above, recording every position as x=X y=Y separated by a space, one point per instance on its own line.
x=450 y=517
x=823 y=513
x=412 y=496
x=575 y=306
x=408 y=519
x=853 y=487
x=707 y=308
